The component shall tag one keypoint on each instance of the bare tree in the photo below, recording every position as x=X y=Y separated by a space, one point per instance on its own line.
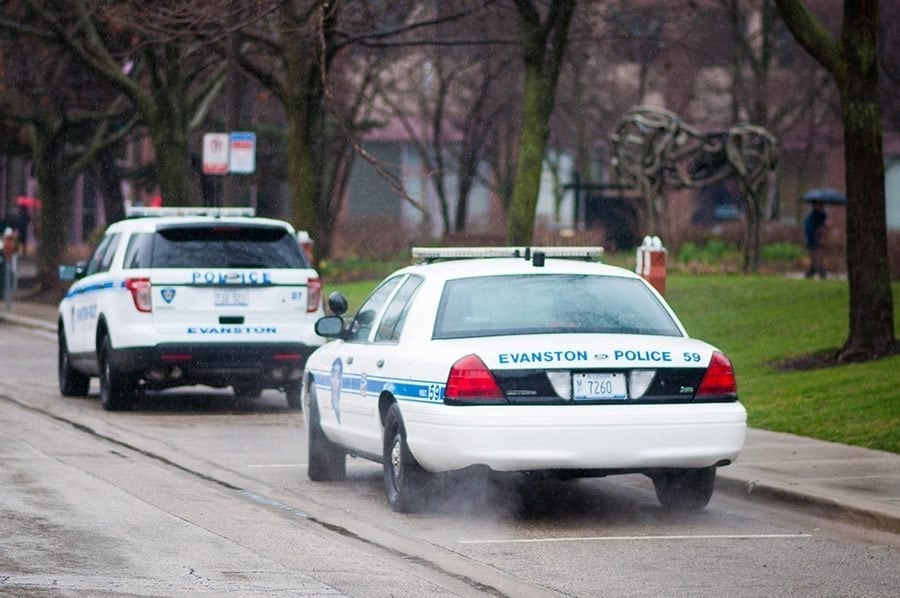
x=70 y=119
x=852 y=60
x=170 y=83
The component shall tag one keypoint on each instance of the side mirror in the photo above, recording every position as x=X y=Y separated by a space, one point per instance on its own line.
x=70 y=272
x=330 y=327
x=337 y=303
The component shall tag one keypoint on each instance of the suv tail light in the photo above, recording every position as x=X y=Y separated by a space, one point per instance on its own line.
x=719 y=378
x=314 y=298
x=140 y=293
x=471 y=381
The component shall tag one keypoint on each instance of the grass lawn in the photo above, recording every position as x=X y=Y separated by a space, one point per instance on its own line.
x=758 y=320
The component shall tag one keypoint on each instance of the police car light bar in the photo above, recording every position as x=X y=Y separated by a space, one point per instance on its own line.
x=145 y=211
x=456 y=253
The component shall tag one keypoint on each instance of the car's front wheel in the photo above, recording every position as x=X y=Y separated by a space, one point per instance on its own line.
x=685 y=489
x=326 y=462
x=405 y=482
x=116 y=388
x=72 y=383
x=293 y=392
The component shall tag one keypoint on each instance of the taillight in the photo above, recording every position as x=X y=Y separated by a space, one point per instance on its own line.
x=719 y=378
x=471 y=380
x=314 y=298
x=140 y=293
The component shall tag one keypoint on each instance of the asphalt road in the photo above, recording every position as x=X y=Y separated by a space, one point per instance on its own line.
x=202 y=493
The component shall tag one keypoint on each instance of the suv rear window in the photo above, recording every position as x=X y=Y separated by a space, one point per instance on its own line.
x=219 y=245
x=548 y=304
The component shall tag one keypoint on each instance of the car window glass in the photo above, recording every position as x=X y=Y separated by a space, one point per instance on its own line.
x=137 y=254
x=395 y=314
x=226 y=245
x=368 y=312
x=547 y=304
x=103 y=255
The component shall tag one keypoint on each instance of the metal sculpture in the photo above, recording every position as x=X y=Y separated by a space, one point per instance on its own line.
x=652 y=147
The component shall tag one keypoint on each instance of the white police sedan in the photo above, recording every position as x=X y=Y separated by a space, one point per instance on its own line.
x=541 y=361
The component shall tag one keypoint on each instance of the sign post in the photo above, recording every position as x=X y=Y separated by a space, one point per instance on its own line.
x=215 y=153
x=242 y=158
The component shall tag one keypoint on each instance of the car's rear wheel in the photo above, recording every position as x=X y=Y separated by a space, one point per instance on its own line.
x=685 y=489
x=72 y=383
x=405 y=482
x=293 y=392
x=116 y=388
x=326 y=462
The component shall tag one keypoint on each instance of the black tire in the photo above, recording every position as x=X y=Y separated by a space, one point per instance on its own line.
x=405 y=482
x=116 y=389
x=293 y=392
x=685 y=489
x=247 y=390
x=326 y=461
x=72 y=383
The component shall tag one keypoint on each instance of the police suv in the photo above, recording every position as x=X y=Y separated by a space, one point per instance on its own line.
x=540 y=361
x=184 y=296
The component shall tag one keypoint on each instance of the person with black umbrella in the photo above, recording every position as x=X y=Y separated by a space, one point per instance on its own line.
x=814 y=228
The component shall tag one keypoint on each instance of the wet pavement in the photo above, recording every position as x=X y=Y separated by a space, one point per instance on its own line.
x=847 y=482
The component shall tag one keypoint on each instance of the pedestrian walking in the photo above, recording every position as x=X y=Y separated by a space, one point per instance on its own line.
x=814 y=227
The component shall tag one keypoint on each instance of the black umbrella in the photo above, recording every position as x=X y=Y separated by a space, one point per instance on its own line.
x=824 y=195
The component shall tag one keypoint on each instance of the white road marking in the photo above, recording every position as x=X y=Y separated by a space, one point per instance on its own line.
x=635 y=538
x=276 y=466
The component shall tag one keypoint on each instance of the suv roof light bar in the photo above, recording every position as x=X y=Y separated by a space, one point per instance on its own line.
x=145 y=211
x=430 y=254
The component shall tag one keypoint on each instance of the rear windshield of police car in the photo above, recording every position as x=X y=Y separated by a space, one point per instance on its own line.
x=549 y=304
x=215 y=246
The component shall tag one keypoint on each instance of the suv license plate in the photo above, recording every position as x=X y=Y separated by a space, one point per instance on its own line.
x=231 y=297
x=589 y=387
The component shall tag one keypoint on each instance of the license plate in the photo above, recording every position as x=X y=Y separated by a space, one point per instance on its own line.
x=231 y=297
x=594 y=386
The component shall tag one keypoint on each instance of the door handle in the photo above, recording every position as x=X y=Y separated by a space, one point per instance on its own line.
x=349 y=360
x=380 y=363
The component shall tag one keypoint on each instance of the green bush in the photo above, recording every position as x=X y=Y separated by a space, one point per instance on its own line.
x=783 y=252
x=711 y=252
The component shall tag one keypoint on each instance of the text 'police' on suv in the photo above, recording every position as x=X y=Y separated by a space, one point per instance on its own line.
x=184 y=296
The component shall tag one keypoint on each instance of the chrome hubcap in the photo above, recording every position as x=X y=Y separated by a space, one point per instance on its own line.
x=395 y=459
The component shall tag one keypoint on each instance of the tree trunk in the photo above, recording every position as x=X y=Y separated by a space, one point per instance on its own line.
x=871 y=301
x=109 y=181
x=532 y=143
x=176 y=184
x=543 y=47
x=52 y=224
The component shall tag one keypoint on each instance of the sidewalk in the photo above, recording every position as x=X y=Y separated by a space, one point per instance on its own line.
x=839 y=481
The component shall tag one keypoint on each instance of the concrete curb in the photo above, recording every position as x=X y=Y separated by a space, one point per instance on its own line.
x=26 y=321
x=822 y=505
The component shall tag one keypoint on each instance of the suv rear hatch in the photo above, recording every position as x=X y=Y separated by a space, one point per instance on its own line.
x=226 y=281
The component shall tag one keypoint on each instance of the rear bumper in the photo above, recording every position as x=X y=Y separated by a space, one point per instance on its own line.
x=575 y=437
x=218 y=364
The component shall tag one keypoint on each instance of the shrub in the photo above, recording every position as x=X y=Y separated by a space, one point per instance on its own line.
x=783 y=252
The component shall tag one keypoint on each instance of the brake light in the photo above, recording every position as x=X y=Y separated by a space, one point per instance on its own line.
x=719 y=378
x=314 y=298
x=140 y=293
x=471 y=380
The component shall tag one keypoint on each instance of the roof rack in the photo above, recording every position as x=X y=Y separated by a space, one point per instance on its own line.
x=431 y=254
x=145 y=211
